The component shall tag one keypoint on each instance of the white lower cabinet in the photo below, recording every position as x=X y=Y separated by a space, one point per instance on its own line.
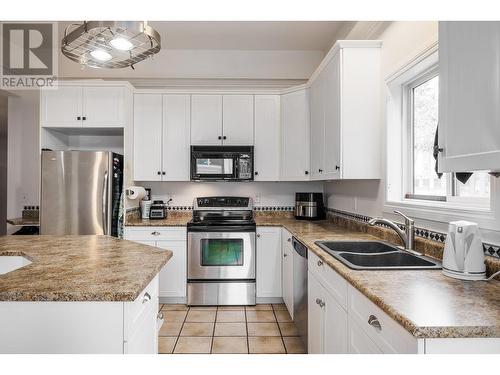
x=327 y=321
x=173 y=277
x=359 y=342
x=287 y=269
x=268 y=276
x=83 y=327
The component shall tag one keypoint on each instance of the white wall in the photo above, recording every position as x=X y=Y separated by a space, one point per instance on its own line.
x=23 y=152
x=263 y=193
x=402 y=41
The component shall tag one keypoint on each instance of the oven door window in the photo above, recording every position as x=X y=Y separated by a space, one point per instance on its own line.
x=222 y=252
x=214 y=166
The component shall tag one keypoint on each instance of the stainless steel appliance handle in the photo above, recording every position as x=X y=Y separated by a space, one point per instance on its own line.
x=105 y=204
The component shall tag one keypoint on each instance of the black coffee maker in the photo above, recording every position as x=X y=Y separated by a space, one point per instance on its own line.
x=309 y=206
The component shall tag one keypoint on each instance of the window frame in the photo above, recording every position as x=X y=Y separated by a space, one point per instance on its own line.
x=396 y=159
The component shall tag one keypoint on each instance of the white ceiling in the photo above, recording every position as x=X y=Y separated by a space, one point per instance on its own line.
x=246 y=35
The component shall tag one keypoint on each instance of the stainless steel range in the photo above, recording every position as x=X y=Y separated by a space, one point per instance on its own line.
x=221 y=252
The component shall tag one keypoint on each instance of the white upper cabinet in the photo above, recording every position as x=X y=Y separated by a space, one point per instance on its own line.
x=147 y=137
x=222 y=120
x=103 y=107
x=161 y=137
x=295 y=136
x=469 y=92
x=345 y=113
x=267 y=138
x=237 y=120
x=61 y=107
x=83 y=106
x=206 y=119
x=176 y=137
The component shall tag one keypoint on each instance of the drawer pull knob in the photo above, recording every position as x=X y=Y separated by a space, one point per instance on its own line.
x=285 y=255
x=320 y=263
x=146 y=298
x=374 y=322
x=155 y=233
x=320 y=302
x=160 y=316
x=289 y=240
x=258 y=235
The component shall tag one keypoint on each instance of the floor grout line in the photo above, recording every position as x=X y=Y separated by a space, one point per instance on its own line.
x=279 y=328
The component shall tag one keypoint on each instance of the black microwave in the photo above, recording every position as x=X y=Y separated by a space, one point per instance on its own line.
x=221 y=163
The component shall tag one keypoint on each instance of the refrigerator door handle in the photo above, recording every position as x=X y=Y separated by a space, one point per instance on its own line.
x=105 y=204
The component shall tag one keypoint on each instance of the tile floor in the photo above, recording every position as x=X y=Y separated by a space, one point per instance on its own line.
x=260 y=329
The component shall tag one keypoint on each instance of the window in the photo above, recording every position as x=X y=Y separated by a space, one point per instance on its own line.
x=423 y=183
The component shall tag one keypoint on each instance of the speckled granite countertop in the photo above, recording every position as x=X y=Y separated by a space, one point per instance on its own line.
x=79 y=268
x=424 y=302
x=174 y=219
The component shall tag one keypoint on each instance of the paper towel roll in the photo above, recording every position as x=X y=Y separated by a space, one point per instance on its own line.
x=135 y=192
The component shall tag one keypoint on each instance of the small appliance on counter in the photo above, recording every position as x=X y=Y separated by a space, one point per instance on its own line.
x=309 y=206
x=463 y=256
x=158 y=210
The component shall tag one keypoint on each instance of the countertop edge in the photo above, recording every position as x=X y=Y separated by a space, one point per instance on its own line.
x=419 y=332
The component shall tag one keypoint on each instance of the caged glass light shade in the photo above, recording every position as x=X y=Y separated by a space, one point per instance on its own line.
x=110 y=44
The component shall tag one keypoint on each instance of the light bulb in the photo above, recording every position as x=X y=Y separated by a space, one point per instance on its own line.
x=101 y=55
x=121 y=43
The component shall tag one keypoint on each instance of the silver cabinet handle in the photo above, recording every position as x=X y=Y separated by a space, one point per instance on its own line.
x=320 y=263
x=374 y=322
x=155 y=233
x=320 y=302
x=285 y=255
x=159 y=316
x=289 y=240
x=146 y=298
x=258 y=235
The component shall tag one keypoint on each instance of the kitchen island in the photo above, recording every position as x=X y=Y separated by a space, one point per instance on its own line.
x=79 y=294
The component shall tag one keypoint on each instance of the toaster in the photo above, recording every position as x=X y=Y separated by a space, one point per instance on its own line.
x=158 y=210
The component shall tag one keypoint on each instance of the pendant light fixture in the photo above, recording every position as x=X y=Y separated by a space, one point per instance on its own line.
x=110 y=44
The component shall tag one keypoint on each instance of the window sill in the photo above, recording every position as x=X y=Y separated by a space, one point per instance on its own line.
x=444 y=212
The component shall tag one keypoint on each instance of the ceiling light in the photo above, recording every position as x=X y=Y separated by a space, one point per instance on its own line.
x=121 y=43
x=107 y=44
x=101 y=55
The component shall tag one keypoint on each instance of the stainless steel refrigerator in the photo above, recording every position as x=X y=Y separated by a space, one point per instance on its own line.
x=80 y=192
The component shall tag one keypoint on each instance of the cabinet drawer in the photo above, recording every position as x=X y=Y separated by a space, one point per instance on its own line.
x=389 y=336
x=156 y=233
x=137 y=310
x=331 y=280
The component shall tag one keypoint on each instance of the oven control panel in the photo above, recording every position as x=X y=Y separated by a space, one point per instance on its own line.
x=229 y=202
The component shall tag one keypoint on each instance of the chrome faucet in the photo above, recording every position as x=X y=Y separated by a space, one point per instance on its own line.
x=408 y=236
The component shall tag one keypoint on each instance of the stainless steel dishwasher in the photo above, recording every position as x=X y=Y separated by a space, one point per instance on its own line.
x=300 y=288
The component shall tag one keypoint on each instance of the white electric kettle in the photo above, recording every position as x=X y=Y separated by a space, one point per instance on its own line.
x=463 y=256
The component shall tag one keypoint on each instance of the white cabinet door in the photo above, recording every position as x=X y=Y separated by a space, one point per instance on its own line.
x=103 y=107
x=176 y=137
x=335 y=326
x=269 y=262
x=288 y=278
x=206 y=119
x=267 y=138
x=61 y=107
x=469 y=88
x=237 y=120
x=295 y=136
x=315 y=316
x=147 y=137
x=317 y=100
x=144 y=339
x=173 y=277
x=332 y=110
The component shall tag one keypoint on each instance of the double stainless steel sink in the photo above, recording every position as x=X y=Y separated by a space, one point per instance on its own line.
x=376 y=255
